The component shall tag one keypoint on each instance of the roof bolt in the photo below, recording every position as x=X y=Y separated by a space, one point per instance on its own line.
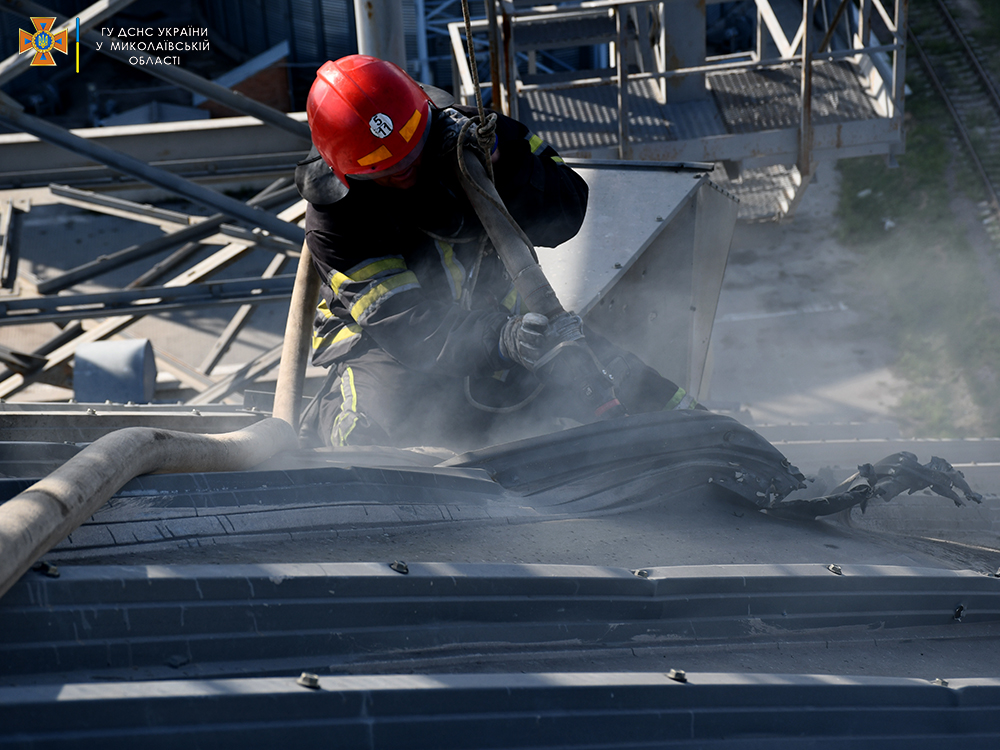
x=196 y=412
x=835 y=569
x=618 y=265
x=642 y=573
x=309 y=680
x=659 y=218
x=46 y=569
x=91 y=411
x=399 y=566
x=939 y=681
x=677 y=675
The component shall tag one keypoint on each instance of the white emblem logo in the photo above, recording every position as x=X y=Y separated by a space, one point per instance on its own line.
x=380 y=125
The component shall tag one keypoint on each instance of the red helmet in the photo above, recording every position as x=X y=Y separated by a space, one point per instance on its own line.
x=368 y=117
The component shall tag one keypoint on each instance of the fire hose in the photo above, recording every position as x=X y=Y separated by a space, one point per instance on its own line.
x=570 y=363
x=50 y=510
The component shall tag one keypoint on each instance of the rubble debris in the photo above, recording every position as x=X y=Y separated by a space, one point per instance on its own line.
x=893 y=475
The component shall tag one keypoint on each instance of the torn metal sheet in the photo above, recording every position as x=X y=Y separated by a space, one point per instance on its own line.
x=893 y=475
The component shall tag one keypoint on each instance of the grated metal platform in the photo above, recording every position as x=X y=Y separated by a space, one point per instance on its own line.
x=754 y=100
x=727 y=124
x=585 y=118
x=764 y=193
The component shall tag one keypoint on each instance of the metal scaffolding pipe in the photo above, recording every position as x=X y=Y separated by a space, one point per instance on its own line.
x=14 y=116
x=379 y=25
x=174 y=75
x=192 y=233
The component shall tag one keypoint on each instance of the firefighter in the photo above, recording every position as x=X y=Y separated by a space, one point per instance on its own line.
x=425 y=336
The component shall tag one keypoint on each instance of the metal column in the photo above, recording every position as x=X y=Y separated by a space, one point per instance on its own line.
x=380 y=30
x=805 y=127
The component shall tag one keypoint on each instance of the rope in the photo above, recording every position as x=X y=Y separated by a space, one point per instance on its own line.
x=485 y=135
x=460 y=154
x=486 y=131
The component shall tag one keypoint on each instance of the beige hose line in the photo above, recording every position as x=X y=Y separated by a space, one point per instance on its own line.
x=296 y=345
x=52 y=508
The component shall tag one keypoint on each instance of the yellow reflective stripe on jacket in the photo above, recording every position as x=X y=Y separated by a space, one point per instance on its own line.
x=511 y=301
x=367 y=270
x=681 y=400
x=380 y=291
x=349 y=331
x=536 y=144
x=347 y=420
x=324 y=309
x=453 y=269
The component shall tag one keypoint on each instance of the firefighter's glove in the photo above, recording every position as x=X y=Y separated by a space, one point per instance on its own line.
x=453 y=127
x=523 y=339
x=566 y=327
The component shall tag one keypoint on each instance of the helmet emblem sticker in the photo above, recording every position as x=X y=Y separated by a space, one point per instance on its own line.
x=380 y=125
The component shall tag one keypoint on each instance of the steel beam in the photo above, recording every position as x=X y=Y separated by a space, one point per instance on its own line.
x=172 y=221
x=10 y=229
x=238 y=321
x=805 y=123
x=59 y=357
x=21 y=362
x=125 y=209
x=56 y=308
x=174 y=75
x=203 y=228
x=12 y=114
x=252 y=370
x=624 y=150
x=14 y=65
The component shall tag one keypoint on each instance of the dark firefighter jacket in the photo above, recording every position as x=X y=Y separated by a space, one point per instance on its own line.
x=394 y=263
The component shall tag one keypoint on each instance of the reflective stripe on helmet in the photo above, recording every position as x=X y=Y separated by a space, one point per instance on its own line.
x=379 y=154
x=410 y=127
x=366 y=115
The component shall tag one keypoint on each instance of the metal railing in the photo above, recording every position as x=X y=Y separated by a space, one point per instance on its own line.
x=882 y=63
